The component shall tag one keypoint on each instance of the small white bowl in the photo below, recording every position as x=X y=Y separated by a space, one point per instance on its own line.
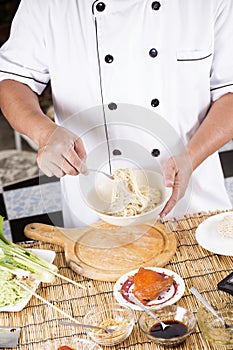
x=99 y=198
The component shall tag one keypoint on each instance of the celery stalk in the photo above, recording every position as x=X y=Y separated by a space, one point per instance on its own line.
x=23 y=258
x=8 y=246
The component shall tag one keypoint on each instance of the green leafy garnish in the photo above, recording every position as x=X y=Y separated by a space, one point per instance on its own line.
x=15 y=258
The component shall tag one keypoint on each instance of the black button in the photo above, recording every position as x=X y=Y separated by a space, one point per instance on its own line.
x=112 y=106
x=109 y=58
x=116 y=152
x=155 y=102
x=155 y=5
x=153 y=52
x=100 y=6
x=155 y=152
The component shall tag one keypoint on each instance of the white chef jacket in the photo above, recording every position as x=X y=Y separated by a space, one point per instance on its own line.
x=158 y=64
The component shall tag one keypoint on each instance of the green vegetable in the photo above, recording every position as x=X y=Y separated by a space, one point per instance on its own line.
x=15 y=258
x=11 y=293
x=17 y=269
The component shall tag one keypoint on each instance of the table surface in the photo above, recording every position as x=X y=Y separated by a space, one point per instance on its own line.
x=197 y=266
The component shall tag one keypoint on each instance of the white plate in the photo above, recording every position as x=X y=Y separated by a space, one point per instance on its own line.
x=125 y=284
x=208 y=237
x=47 y=255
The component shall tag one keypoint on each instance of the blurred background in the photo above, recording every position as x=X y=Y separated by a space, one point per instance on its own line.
x=17 y=152
x=8 y=139
x=21 y=185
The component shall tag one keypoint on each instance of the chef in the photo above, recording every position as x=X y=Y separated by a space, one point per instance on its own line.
x=137 y=82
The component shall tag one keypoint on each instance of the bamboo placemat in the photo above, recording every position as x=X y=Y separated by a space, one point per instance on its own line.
x=198 y=267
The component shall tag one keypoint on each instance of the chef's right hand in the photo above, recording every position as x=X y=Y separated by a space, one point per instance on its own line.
x=61 y=153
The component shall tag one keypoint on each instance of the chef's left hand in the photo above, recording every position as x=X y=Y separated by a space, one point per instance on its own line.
x=177 y=172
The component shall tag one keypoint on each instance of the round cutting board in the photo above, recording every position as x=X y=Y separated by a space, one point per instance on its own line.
x=104 y=252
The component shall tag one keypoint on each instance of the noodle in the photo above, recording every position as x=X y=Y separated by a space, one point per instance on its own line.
x=225 y=226
x=128 y=199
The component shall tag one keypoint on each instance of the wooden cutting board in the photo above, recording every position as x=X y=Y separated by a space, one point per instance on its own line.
x=104 y=252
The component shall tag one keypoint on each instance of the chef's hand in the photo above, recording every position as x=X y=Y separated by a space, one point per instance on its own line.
x=177 y=172
x=61 y=153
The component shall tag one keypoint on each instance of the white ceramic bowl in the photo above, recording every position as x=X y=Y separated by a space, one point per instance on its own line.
x=99 y=198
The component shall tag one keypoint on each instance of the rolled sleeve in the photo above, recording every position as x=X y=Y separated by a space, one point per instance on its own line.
x=24 y=56
x=221 y=80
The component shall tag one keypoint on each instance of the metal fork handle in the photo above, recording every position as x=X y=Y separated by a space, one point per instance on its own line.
x=144 y=308
x=207 y=305
x=102 y=172
x=83 y=325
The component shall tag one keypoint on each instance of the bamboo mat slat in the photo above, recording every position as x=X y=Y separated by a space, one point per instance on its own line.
x=198 y=267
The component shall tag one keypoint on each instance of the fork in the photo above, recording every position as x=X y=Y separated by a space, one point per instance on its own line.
x=209 y=307
x=102 y=172
x=144 y=308
x=109 y=329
